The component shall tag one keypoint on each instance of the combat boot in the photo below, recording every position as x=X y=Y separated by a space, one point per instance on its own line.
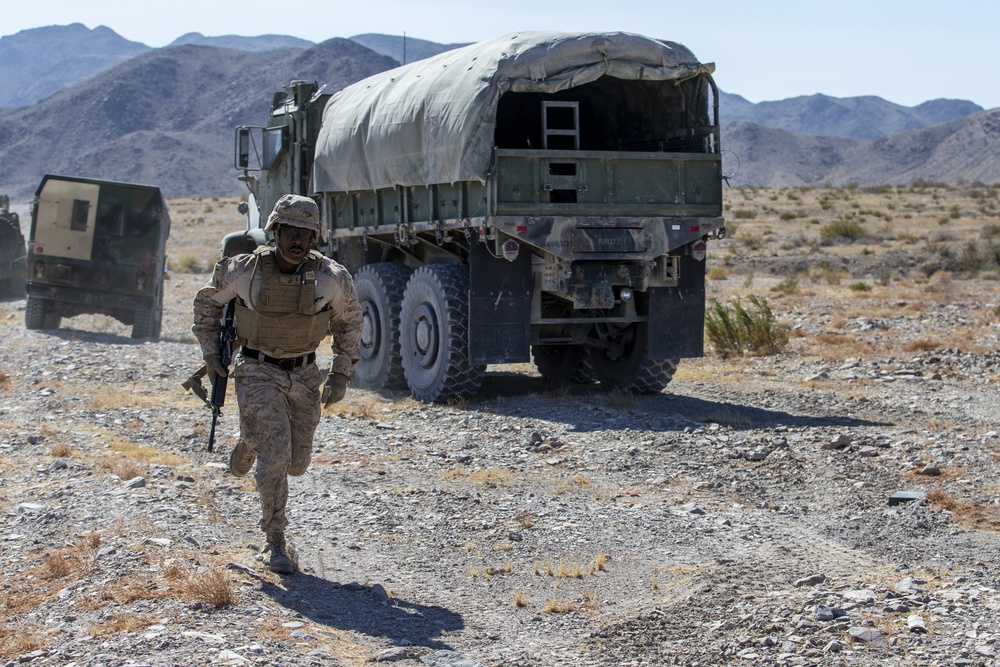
x=241 y=459
x=279 y=561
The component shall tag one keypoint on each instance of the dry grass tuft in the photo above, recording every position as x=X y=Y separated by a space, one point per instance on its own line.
x=520 y=600
x=61 y=450
x=121 y=623
x=211 y=587
x=525 y=518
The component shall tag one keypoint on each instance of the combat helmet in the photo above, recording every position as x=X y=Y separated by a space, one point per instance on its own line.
x=295 y=211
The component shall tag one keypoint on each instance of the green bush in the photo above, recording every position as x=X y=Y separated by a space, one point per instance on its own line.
x=844 y=228
x=735 y=331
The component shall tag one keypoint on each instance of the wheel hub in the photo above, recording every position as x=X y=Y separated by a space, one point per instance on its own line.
x=425 y=336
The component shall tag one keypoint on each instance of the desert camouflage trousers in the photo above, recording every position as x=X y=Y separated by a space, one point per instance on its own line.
x=279 y=412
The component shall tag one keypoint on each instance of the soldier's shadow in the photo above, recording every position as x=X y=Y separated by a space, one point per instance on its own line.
x=327 y=603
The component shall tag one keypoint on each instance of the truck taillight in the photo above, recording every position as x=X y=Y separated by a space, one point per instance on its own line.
x=698 y=249
x=140 y=280
x=39 y=269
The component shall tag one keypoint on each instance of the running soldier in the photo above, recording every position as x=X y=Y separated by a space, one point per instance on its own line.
x=288 y=298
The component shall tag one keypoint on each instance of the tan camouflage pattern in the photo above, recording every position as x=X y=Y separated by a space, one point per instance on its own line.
x=279 y=409
x=279 y=412
x=294 y=211
x=232 y=279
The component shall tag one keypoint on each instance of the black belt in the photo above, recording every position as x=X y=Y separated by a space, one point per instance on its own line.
x=286 y=364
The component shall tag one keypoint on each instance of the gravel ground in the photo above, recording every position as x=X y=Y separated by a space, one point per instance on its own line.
x=749 y=515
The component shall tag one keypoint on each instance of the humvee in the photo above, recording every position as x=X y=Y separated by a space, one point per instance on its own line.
x=11 y=251
x=96 y=246
x=541 y=192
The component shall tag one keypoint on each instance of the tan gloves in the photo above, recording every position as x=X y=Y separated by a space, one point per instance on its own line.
x=334 y=388
x=213 y=367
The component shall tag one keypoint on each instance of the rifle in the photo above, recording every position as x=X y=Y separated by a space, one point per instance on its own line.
x=217 y=399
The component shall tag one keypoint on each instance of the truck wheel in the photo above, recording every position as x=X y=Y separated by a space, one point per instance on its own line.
x=434 y=334
x=40 y=314
x=144 y=324
x=563 y=363
x=34 y=313
x=631 y=371
x=380 y=290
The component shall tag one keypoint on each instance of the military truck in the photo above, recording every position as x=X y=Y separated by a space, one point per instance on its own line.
x=12 y=251
x=96 y=246
x=543 y=194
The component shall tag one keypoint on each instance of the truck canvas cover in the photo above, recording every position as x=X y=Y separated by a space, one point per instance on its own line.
x=433 y=121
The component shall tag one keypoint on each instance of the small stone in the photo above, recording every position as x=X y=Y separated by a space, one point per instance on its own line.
x=135 y=483
x=930 y=470
x=868 y=636
x=397 y=653
x=840 y=442
x=379 y=593
x=916 y=624
x=811 y=580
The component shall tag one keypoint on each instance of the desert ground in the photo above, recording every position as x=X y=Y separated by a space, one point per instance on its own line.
x=835 y=502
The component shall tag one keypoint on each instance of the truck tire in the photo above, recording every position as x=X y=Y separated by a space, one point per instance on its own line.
x=380 y=292
x=144 y=324
x=39 y=314
x=434 y=334
x=632 y=372
x=563 y=363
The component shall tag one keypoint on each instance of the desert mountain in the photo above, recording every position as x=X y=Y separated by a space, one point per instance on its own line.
x=865 y=117
x=166 y=116
x=966 y=149
x=36 y=63
x=400 y=49
x=258 y=43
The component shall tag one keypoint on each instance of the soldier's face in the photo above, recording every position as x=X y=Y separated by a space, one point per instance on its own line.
x=293 y=242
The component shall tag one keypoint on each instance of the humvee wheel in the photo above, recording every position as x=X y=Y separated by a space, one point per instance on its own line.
x=144 y=325
x=631 y=371
x=434 y=336
x=39 y=314
x=563 y=363
x=380 y=290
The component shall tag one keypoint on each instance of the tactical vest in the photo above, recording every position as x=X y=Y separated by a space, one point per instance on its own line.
x=283 y=321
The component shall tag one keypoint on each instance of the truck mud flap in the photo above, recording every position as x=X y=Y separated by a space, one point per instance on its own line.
x=677 y=315
x=499 y=307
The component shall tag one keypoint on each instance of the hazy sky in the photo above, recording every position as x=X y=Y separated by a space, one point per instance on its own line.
x=905 y=51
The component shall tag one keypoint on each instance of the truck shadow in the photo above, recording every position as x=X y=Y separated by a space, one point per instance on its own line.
x=589 y=408
x=327 y=603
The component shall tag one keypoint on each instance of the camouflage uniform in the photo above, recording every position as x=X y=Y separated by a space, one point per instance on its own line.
x=279 y=406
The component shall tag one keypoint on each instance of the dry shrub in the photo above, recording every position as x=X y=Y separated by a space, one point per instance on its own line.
x=922 y=346
x=122 y=623
x=4 y=382
x=560 y=607
x=130 y=589
x=187 y=263
x=494 y=478
x=520 y=600
x=602 y=560
x=211 y=587
x=525 y=518
x=941 y=498
x=122 y=466
x=61 y=450
x=20 y=638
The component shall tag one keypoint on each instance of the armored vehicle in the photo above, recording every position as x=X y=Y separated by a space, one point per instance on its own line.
x=96 y=247
x=543 y=194
x=11 y=251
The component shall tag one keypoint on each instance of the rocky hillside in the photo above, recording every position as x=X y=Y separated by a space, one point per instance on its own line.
x=37 y=63
x=963 y=150
x=166 y=116
x=866 y=117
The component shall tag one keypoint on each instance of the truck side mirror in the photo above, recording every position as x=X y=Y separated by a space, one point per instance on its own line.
x=242 y=147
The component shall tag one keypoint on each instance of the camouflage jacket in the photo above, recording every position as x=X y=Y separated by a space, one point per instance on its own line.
x=334 y=289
